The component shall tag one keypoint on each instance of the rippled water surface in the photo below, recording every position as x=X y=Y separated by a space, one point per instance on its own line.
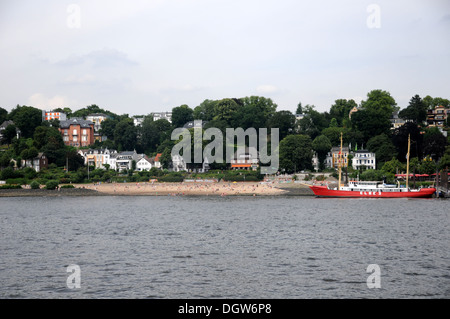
x=242 y=247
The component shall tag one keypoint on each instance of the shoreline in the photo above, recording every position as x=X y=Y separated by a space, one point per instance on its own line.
x=220 y=189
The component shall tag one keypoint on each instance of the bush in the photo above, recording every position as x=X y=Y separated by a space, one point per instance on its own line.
x=241 y=178
x=35 y=185
x=171 y=179
x=67 y=186
x=7 y=186
x=51 y=185
x=7 y=173
x=16 y=181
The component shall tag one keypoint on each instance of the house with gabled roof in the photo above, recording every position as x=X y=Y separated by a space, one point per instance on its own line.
x=77 y=132
x=144 y=163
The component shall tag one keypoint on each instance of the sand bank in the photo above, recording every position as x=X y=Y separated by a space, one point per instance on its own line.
x=186 y=189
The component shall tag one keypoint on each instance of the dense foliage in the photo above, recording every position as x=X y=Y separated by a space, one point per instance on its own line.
x=313 y=132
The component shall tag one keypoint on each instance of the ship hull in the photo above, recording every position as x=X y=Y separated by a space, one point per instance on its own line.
x=323 y=191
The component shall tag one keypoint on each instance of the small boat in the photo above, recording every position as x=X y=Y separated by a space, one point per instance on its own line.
x=372 y=189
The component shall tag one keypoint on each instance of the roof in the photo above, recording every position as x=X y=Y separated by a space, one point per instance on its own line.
x=158 y=157
x=145 y=157
x=97 y=114
x=127 y=153
x=193 y=124
x=76 y=121
x=337 y=149
x=6 y=124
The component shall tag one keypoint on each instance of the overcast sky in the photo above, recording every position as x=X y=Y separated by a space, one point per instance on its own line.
x=139 y=56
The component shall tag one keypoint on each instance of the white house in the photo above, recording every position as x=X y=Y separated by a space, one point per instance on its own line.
x=138 y=120
x=245 y=158
x=364 y=159
x=178 y=163
x=98 y=158
x=144 y=164
x=162 y=115
x=124 y=160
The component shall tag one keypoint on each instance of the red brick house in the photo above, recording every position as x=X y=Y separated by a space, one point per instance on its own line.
x=77 y=132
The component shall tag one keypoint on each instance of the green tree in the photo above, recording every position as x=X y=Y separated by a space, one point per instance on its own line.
x=372 y=175
x=334 y=135
x=74 y=159
x=21 y=144
x=91 y=109
x=299 y=109
x=254 y=112
x=155 y=133
x=394 y=166
x=340 y=110
x=166 y=158
x=383 y=148
x=8 y=134
x=26 y=118
x=125 y=135
x=265 y=106
x=205 y=111
x=431 y=102
x=42 y=134
x=321 y=145
x=181 y=115
x=29 y=154
x=284 y=121
x=225 y=109
x=370 y=123
x=55 y=150
x=416 y=110
x=444 y=162
x=3 y=115
x=5 y=158
x=295 y=153
x=428 y=166
x=107 y=127
x=312 y=123
x=434 y=143
x=400 y=141
x=379 y=101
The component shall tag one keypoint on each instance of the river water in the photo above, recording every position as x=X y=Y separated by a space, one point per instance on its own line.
x=224 y=247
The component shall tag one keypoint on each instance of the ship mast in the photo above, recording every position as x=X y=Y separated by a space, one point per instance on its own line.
x=340 y=164
x=407 y=161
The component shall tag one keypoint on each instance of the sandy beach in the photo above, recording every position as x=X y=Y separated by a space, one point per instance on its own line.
x=168 y=189
x=186 y=189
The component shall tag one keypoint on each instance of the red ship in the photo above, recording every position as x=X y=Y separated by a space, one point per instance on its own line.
x=358 y=189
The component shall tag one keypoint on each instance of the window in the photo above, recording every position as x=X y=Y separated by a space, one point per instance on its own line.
x=84 y=132
x=75 y=139
x=74 y=132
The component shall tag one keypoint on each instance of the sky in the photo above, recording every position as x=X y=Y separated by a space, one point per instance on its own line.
x=136 y=57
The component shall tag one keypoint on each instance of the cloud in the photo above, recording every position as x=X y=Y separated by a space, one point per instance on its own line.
x=40 y=101
x=445 y=19
x=104 y=58
x=267 y=89
x=81 y=80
